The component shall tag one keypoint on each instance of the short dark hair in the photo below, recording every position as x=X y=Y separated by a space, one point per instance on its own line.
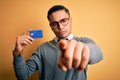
x=57 y=8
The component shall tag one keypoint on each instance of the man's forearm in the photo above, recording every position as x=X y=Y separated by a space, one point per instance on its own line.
x=95 y=53
x=19 y=67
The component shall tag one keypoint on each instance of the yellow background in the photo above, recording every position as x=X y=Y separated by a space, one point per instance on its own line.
x=97 y=19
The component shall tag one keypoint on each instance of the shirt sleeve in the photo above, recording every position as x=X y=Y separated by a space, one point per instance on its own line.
x=96 y=54
x=23 y=69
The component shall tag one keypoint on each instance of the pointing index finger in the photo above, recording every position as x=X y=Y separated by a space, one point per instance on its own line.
x=62 y=44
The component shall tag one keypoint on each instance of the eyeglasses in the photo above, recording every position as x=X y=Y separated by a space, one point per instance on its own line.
x=63 y=21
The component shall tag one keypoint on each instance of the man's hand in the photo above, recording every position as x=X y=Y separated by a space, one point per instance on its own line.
x=74 y=54
x=21 y=42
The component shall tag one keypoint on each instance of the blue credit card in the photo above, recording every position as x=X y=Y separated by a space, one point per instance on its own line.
x=36 y=34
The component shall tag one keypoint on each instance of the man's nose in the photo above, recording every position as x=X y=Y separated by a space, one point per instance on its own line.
x=60 y=26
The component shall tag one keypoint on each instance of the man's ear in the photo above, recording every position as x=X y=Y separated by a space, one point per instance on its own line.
x=70 y=19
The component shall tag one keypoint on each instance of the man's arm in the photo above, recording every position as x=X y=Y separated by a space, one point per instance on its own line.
x=22 y=69
x=96 y=54
x=77 y=54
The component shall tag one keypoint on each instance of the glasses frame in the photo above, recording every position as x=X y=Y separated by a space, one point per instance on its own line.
x=56 y=24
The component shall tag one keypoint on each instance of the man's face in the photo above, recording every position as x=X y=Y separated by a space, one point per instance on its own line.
x=60 y=23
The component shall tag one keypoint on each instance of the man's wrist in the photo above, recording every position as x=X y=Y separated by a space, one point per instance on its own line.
x=15 y=52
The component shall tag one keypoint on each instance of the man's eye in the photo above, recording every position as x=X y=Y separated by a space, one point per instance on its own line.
x=63 y=20
x=53 y=24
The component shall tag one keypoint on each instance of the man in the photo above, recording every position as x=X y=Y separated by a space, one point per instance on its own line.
x=64 y=58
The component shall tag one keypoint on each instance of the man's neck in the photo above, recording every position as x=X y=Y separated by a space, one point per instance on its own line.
x=69 y=37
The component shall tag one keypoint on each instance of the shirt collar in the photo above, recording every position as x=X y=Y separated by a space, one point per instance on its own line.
x=69 y=37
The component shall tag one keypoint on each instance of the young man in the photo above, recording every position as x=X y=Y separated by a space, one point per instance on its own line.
x=64 y=58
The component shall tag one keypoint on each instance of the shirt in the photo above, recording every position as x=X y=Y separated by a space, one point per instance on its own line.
x=45 y=58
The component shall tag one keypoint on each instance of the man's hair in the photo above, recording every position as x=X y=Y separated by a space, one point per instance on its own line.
x=57 y=8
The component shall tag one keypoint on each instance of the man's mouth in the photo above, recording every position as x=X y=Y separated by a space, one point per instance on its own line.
x=62 y=32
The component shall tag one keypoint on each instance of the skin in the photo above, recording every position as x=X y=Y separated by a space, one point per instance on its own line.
x=74 y=54
x=61 y=31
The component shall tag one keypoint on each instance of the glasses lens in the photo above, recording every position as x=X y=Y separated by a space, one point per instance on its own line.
x=64 y=21
x=54 y=24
